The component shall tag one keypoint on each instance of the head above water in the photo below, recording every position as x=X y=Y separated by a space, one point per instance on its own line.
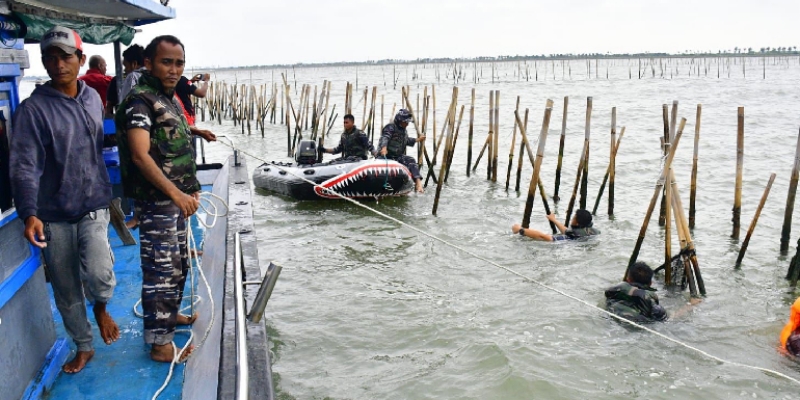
x=582 y=219
x=640 y=273
x=402 y=118
x=165 y=58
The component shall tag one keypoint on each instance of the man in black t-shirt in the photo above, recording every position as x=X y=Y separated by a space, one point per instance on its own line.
x=186 y=89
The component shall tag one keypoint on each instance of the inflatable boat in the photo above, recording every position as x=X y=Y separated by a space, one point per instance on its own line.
x=349 y=177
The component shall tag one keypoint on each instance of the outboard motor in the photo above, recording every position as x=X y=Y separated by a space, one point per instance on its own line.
x=306 y=152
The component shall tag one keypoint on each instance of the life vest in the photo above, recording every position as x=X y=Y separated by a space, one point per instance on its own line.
x=577 y=233
x=397 y=142
x=352 y=146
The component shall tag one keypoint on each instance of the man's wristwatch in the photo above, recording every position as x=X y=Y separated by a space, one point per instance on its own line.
x=521 y=231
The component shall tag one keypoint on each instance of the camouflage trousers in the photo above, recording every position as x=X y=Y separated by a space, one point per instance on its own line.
x=411 y=164
x=165 y=265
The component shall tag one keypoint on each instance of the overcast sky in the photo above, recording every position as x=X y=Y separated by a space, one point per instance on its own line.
x=255 y=32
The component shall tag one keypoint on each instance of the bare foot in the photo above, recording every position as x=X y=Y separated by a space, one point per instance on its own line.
x=185 y=319
x=419 y=188
x=165 y=353
x=109 y=330
x=77 y=363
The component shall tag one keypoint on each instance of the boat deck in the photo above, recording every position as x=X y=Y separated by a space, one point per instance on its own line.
x=123 y=370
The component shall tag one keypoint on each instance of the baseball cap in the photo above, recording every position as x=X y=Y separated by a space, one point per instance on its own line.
x=64 y=38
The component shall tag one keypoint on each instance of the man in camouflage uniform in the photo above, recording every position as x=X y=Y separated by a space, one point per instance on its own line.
x=634 y=299
x=353 y=143
x=159 y=173
x=580 y=227
x=393 y=143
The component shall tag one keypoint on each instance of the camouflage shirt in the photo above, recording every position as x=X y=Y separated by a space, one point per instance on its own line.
x=635 y=302
x=149 y=108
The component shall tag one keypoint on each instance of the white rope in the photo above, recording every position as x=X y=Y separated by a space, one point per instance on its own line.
x=192 y=244
x=532 y=280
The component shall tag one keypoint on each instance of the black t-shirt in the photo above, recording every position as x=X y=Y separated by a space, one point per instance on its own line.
x=112 y=97
x=184 y=90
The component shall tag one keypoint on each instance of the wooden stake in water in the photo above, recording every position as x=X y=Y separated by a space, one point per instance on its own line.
x=608 y=172
x=737 y=199
x=526 y=218
x=561 y=148
x=693 y=188
x=585 y=177
x=787 y=216
x=521 y=152
x=658 y=190
x=469 y=142
x=665 y=149
x=612 y=163
x=512 y=148
x=691 y=266
x=755 y=220
x=453 y=145
x=496 y=146
x=492 y=133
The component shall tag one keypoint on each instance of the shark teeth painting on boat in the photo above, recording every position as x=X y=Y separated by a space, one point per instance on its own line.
x=370 y=179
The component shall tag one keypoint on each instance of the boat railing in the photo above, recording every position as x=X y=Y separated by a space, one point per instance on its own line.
x=255 y=314
x=242 y=376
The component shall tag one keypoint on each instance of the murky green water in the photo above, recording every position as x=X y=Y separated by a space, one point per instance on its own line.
x=367 y=309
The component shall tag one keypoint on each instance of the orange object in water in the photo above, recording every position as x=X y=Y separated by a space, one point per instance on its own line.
x=793 y=324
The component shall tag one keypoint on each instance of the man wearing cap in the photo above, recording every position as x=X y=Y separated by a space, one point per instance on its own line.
x=393 y=143
x=61 y=190
x=159 y=173
x=580 y=227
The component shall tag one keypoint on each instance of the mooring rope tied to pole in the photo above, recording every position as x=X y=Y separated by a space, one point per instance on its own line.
x=530 y=279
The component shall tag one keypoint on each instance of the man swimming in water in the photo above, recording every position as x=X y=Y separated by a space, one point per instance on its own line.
x=580 y=227
x=635 y=299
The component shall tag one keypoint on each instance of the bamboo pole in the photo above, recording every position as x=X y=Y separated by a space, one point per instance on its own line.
x=665 y=149
x=490 y=156
x=693 y=188
x=512 y=148
x=755 y=220
x=496 y=146
x=453 y=145
x=608 y=172
x=521 y=154
x=691 y=265
x=437 y=143
x=526 y=218
x=561 y=148
x=585 y=177
x=737 y=199
x=469 y=141
x=658 y=189
x=668 y=221
x=447 y=149
x=575 y=188
x=790 y=198
x=526 y=145
x=414 y=121
x=612 y=163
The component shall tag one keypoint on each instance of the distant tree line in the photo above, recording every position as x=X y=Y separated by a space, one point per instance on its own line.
x=736 y=51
